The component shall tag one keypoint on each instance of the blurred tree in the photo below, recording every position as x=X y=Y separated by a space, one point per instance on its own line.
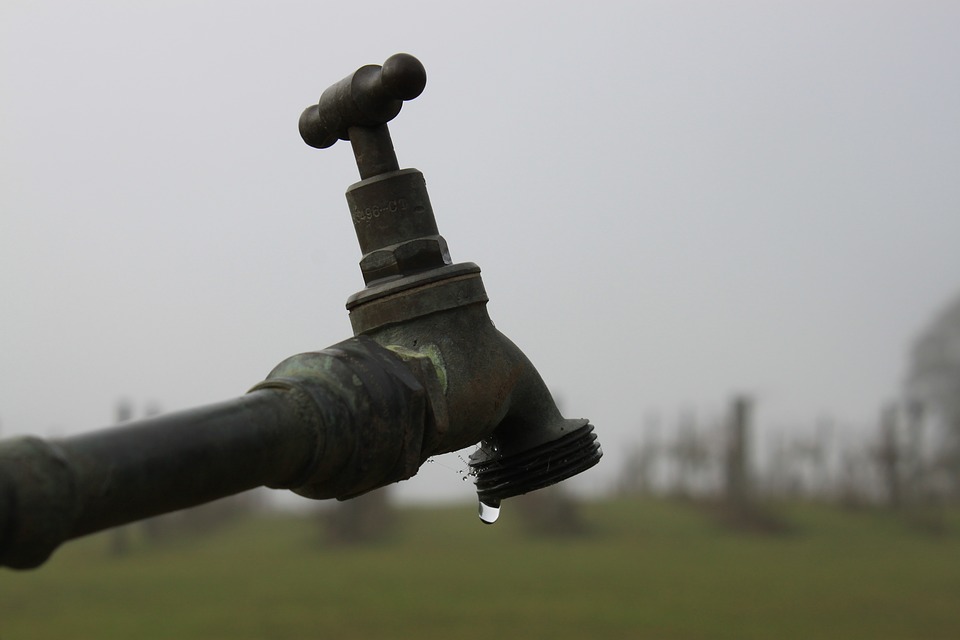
x=784 y=473
x=740 y=506
x=888 y=455
x=857 y=484
x=637 y=475
x=798 y=466
x=737 y=461
x=691 y=455
x=933 y=386
x=640 y=470
x=810 y=455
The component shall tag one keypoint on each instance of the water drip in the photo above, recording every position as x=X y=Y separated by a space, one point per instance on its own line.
x=489 y=511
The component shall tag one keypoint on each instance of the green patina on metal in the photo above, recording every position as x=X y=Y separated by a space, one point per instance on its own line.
x=431 y=352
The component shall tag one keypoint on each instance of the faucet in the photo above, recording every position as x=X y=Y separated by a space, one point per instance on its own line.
x=425 y=373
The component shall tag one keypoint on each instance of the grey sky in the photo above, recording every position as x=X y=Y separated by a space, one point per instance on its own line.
x=670 y=202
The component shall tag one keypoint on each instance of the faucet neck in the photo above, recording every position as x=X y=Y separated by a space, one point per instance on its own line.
x=406 y=264
x=395 y=226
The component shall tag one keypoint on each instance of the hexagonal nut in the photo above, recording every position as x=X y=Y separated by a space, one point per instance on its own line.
x=405 y=258
x=379 y=264
x=422 y=253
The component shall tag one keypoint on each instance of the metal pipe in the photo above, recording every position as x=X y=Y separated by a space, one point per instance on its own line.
x=333 y=423
x=142 y=469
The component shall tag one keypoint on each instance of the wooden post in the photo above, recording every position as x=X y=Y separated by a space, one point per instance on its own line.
x=737 y=459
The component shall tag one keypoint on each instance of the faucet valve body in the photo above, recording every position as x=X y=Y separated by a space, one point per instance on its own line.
x=418 y=299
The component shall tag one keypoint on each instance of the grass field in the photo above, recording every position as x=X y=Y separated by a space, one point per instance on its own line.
x=649 y=570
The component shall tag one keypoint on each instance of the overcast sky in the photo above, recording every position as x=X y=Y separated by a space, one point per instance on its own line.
x=671 y=201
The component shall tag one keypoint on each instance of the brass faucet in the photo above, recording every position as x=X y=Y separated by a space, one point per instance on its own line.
x=425 y=373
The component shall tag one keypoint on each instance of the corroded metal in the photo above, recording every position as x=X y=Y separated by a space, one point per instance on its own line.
x=328 y=424
x=426 y=373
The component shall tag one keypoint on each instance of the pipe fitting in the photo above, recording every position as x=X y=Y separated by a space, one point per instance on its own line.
x=35 y=479
x=377 y=413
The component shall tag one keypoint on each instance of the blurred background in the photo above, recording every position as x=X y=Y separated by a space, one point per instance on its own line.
x=724 y=232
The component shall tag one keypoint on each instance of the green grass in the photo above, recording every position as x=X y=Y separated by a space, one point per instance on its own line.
x=649 y=569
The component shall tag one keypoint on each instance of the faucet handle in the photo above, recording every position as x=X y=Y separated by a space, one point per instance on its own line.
x=391 y=210
x=370 y=96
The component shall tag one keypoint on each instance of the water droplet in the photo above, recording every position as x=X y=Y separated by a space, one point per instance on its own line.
x=489 y=511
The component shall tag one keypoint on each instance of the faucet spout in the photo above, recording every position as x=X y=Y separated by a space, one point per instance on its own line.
x=533 y=446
